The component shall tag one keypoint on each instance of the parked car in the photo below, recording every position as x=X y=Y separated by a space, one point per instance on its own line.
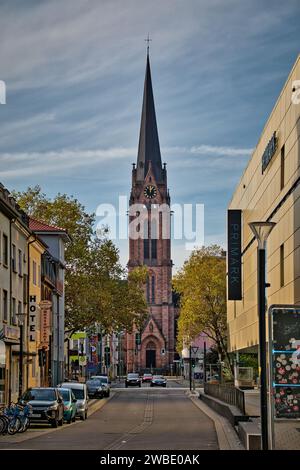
x=69 y=404
x=158 y=381
x=47 y=405
x=104 y=382
x=133 y=380
x=95 y=389
x=81 y=394
x=147 y=378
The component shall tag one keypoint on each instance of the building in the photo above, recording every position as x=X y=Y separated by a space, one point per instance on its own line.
x=55 y=238
x=14 y=268
x=154 y=347
x=269 y=190
x=35 y=369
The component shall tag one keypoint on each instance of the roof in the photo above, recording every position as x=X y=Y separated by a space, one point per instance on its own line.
x=149 y=149
x=39 y=226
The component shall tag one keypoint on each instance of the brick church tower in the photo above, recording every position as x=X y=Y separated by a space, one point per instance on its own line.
x=156 y=348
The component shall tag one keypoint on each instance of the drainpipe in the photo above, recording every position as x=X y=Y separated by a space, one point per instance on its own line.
x=12 y=221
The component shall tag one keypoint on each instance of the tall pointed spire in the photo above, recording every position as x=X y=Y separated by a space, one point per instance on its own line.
x=149 y=150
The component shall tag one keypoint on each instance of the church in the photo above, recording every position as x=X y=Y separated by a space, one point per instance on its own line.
x=152 y=349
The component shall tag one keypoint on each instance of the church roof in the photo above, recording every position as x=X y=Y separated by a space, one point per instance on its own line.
x=149 y=150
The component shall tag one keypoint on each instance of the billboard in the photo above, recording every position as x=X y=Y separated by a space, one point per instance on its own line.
x=285 y=361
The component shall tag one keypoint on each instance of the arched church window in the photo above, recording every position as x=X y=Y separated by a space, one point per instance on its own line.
x=153 y=290
x=151 y=345
x=151 y=327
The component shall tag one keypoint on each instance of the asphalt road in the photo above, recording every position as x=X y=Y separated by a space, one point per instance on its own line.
x=145 y=419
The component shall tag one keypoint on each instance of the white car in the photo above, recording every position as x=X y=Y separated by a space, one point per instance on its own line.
x=104 y=382
x=81 y=395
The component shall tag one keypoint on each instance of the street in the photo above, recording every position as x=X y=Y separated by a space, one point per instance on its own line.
x=132 y=419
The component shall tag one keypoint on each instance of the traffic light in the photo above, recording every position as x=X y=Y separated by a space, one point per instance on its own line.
x=193 y=362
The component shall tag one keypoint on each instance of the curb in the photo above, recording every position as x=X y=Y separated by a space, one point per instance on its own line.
x=227 y=437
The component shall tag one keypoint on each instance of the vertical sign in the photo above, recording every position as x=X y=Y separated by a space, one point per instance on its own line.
x=285 y=361
x=45 y=306
x=234 y=258
x=32 y=318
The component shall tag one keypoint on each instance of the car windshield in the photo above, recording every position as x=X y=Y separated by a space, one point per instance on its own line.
x=158 y=377
x=94 y=382
x=147 y=375
x=103 y=380
x=133 y=376
x=42 y=394
x=78 y=392
x=65 y=393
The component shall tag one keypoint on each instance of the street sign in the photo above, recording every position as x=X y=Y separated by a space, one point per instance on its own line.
x=195 y=349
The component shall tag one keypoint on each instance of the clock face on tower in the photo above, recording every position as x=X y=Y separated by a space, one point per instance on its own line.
x=150 y=191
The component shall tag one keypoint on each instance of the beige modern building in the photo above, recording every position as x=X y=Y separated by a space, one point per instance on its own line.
x=269 y=190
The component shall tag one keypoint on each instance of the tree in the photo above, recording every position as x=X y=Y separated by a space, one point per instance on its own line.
x=97 y=289
x=201 y=284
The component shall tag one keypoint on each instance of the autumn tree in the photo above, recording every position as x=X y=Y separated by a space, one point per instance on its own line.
x=97 y=288
x=201 y=284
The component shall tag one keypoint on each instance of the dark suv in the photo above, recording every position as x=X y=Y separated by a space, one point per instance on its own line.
x=47 y=405
x=133 y=380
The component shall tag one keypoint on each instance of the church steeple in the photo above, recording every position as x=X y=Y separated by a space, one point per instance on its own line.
x=149 y=150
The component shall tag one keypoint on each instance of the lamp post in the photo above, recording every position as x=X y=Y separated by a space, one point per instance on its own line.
x=21 y=319
x=261 y=231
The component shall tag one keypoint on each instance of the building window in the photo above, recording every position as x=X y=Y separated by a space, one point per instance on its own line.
x=146 y=248
x=154 y=249
x=5 y=306
x=34 y=273
x=13 y=313
x=282 y=265
x=5 y=250
x=153 y=290
x=13 y=259
x=20 y=262
x=282 y=164
x=39 y=275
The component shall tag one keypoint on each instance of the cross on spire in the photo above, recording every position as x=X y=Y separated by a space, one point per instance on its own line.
x=148 y=40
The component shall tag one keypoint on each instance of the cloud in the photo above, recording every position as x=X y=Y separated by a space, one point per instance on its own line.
x=22 y=164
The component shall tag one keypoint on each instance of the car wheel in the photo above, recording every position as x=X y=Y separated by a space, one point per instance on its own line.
x=54 y=423
x=81 y=418
x=69 y=421
x=74 y=419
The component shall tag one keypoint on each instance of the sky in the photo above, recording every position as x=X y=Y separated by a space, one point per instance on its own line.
x=74 y=73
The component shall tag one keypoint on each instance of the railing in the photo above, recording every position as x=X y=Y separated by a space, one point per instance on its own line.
x=228 y=393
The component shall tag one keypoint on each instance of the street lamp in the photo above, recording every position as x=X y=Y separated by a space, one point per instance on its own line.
x=21 y=319
x=261 y=231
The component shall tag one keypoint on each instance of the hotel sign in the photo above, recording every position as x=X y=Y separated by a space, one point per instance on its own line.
x=269 y=152
x=45 y=306
x=32 y=318
x=234 y=257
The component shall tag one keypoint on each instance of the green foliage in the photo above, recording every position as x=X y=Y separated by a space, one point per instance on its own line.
x=201 y=284
x=97 y=288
